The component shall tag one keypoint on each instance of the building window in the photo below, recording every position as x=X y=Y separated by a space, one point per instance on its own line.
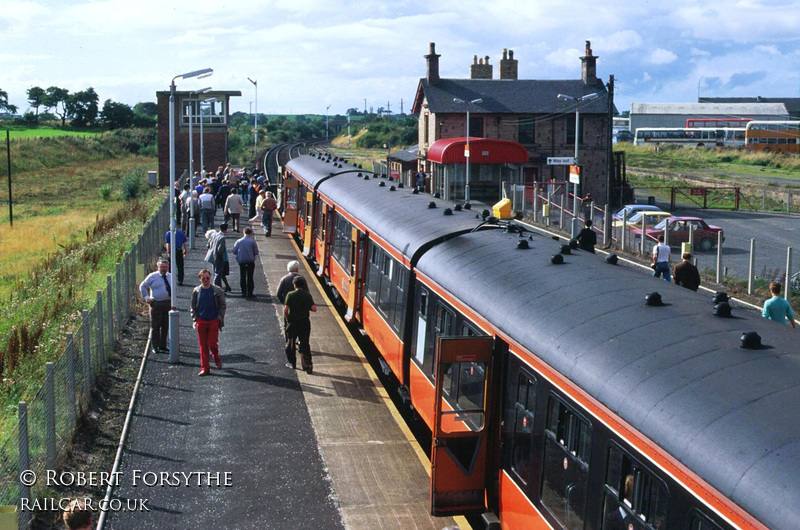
x=476 y=126
x=213 y=113
x=526 y=128
x=426 y=134
x=571 y=130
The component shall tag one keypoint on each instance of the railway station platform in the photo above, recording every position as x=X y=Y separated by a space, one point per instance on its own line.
x=259 y=445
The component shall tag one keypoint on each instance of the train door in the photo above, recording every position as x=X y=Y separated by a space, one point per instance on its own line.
x=308 y=237
x=329 y=220
x=358 y=242
x=459 y=445
x=290 y=189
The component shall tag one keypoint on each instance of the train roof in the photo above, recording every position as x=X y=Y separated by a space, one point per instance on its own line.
x=401 y=218
x=676 y=373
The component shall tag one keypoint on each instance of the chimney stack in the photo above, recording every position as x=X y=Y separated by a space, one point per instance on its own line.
x=480 y=69
x=432 y=60
x=508 y=65
x=589 y=66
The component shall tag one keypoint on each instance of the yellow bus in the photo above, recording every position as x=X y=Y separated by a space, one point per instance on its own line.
x=773 y=136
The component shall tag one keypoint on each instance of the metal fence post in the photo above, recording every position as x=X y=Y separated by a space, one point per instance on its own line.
x=118 y=298
x=624 y=236
x=607 y=222
x=549 y=205
x=72 y=413
x=644 y=231
x=50 y=415
x=764 y=198
x=719 y=257
x=788 y=201
x=751 y=270
x=561 y=215
x=788 y=287
x=24 y=463
x=535 y=203
x=691 y=238
x=101 y=349
x=87 y=358
x=109 y=312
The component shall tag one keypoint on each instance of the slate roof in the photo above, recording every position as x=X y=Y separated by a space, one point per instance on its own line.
x=711 y=109
x=510 y=96
x=792 y=104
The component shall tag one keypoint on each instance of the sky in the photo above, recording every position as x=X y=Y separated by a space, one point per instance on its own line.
x=307 y=55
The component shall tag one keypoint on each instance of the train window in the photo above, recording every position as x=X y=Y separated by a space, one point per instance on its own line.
x=342 y=232
x=385 y=292
x=318 y=222
x=401 y=281
x=566 y=464
x=700 y=521
x=423 y=304
x=523 y=426
x=634 y=497
x=386 y=283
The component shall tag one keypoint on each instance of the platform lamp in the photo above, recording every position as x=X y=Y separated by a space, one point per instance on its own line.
x=466 y=149
x=193 y=184
x=174 y=317
x=255 y=123
x=578 y=101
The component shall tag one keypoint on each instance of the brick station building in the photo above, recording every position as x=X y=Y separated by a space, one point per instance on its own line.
x=215 y=118
x=515 y=117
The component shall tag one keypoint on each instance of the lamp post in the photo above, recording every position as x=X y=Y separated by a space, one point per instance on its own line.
x=466 y=150
x=255 y=123
x=202 y=160
x=193 y=184
x=326 y=122
x=578 y=101
x=174 y=317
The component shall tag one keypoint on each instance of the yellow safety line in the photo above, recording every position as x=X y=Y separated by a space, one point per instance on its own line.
x=423 y=458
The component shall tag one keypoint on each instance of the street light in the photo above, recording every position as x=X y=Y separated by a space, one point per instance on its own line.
x=578 y=101
x=466 y=150
x=255 y=124
x=192 y=182
x=326 y=122
x=174 y=319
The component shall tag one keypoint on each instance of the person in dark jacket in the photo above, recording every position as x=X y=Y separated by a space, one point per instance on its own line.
x=297 y=310
x=253 y=190
x=686 y=274
x=587 y=239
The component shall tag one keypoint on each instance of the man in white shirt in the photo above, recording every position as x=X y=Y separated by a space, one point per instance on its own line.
x=661 y=255
x=156 y=291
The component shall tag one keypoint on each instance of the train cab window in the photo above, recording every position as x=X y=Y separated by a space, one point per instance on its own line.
x=566 y=464
x=523 y=426
x=634 y=497
x=699 y=521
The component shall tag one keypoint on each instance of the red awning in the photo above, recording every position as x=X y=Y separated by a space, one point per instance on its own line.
x=482 y=151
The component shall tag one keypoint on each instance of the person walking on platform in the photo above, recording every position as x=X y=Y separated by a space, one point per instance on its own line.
x=207 y=209
x=776 y=308
x=660 y=264
x=208 y=317
x=286 y=285
x=222 y=195
x=268 y=206
x=217 y=255
x=234 y=207
x=180 y=251
x=157 y=293
x=686 y=274
x=587 y=239
x=246 y=250
x=297 y=311
x=252 y=191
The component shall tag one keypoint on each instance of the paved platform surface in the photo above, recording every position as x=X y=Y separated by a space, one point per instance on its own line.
x=300 y=451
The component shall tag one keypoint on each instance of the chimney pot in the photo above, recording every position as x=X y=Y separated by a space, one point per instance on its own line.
x=432 y=60
x=508 y=65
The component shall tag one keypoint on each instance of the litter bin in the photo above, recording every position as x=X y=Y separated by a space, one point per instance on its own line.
x=651 y=201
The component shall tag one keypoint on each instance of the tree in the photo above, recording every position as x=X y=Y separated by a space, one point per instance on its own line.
x=146 y=108
x=117 y=115
x=56 y=99
x=5 y=105
x=36 y=98
x=83 y=107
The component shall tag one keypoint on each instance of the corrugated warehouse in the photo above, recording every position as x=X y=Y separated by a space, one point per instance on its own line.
x=676 y=114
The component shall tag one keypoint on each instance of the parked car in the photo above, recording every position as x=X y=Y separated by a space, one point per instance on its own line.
x=629 y=210
x=705 y=235
x=650 y=217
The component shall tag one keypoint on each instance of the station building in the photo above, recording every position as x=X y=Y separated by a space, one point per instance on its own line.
x=211 y=110
x=513 y=130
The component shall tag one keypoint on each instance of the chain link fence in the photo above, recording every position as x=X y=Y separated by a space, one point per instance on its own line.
x=47 y=423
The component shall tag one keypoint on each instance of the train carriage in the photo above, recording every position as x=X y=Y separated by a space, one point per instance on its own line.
x=556 y=397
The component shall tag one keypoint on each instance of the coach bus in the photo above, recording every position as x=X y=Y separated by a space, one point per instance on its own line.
x=693 y=137
x=773 y=136
x=716 y=123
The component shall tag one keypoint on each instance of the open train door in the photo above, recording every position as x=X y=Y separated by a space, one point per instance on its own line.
x=358 y=252
x=308 y=237
x=458 y=452
x=290 y=189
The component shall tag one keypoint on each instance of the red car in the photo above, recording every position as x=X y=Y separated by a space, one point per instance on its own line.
x=705 y=235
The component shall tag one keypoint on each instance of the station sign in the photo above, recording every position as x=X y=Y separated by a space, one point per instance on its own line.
x=575 y=174
x=466 y=151
x=560 y=160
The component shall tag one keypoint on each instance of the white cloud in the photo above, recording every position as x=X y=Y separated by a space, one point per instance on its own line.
x=662 y=56
x=771 y=49
x=618 y=42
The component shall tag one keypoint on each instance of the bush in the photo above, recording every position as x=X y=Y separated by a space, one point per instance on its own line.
x=133 y=185
x=105 y=192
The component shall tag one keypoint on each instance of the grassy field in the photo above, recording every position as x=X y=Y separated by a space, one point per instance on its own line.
x=44 y=131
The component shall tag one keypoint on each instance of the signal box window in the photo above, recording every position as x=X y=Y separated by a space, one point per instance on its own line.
x=523 y=426
x=567 y=448
x=634 y=497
